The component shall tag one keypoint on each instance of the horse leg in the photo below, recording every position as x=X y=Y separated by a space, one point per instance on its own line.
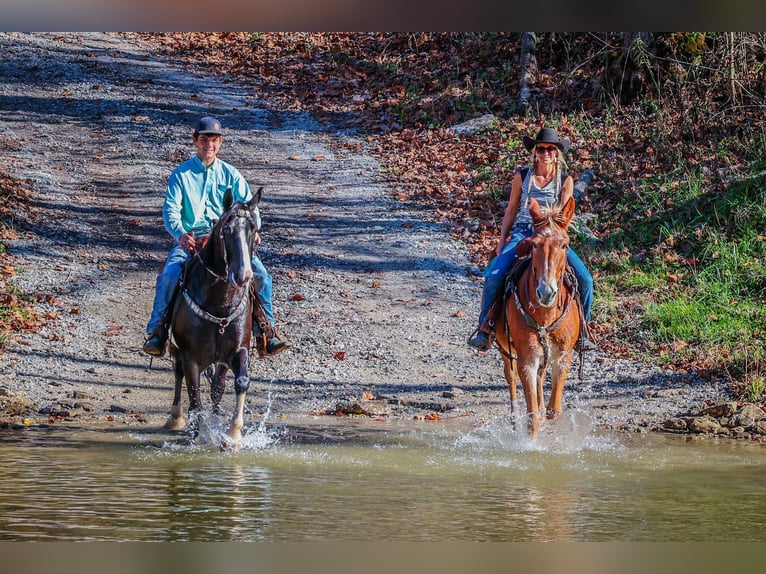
x=176 y=421
x=559 y=374
x=239 y=365
x=218 y=386
x=540 y=394
x=528 y=375
x=510 y=377
x=192 y=375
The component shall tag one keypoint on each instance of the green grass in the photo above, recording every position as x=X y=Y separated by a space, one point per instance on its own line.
x=691 y=271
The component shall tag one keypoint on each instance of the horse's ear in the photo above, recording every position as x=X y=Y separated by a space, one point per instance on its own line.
x=567 y=212
x=256 y=198
x=228 y=199
x=535 y=211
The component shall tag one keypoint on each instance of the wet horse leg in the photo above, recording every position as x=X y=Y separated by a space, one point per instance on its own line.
x=540 y=379
x=176 y=420
x=218 y=386
x=239 y=364
x=191 y=372
x=559 y=373
x=528 y=373
x=510 y=377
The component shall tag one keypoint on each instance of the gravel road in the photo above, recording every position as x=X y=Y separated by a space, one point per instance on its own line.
x=377 y=300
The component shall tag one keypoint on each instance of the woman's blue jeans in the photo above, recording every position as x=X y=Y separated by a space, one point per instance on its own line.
x=498 y=268
x=168 y=279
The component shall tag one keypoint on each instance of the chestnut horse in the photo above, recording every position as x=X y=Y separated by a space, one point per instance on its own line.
x=212 y=320
x=540 y=320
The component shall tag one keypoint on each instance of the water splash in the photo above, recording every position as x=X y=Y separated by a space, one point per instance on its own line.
x=212 y=431
x=573 y=431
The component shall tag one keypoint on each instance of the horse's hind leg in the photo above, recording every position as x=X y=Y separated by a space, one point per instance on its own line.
x=176 y=420
x=239 y=365
x=217 y=386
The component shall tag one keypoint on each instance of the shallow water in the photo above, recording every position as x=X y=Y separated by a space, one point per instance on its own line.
x=344 y=479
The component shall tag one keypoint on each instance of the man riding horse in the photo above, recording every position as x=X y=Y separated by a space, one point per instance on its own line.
x=193 y=203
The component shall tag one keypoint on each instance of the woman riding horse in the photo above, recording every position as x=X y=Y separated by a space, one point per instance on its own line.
x=548 y=183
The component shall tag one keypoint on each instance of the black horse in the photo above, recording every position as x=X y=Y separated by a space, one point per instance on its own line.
x=212 y=318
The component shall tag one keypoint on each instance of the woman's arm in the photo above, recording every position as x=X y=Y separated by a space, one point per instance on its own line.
x=567 y=190
x=511 y=211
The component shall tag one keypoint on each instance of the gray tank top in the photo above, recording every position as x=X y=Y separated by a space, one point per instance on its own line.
x=546 y=197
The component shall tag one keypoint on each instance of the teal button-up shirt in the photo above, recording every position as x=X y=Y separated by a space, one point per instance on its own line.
x=194 y=196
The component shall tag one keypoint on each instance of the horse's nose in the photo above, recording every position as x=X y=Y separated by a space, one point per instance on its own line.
x=546 y=293
x=241 y=276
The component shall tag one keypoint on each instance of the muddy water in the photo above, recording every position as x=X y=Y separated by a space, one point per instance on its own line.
x=348 y=480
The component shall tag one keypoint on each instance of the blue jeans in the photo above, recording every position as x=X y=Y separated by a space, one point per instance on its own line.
x=498 y=268
x=168 y=279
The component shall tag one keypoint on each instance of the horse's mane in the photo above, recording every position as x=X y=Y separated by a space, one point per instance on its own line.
x=551 y=217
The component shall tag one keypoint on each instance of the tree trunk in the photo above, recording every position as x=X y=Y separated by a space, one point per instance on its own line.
x=528 y=68
x=626 y=76
x=730 y=40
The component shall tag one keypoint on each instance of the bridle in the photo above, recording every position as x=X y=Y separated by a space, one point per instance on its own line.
x=218 y=235
x=569 y=280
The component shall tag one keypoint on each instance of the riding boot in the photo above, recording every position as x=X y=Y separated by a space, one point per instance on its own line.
x=481 y=339
x=157 y=343
x=267 y=341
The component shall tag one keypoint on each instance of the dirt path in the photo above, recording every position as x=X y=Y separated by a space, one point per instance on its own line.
x=376 y=301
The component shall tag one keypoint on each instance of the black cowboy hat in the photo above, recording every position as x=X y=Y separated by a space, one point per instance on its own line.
x=549 y=136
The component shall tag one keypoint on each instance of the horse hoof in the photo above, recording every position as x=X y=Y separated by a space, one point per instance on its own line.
x=175 y=424
x=230 y=445
x=552 y=415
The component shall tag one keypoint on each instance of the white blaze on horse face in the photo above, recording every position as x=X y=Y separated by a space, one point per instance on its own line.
x=241 y=271
x=547 y=283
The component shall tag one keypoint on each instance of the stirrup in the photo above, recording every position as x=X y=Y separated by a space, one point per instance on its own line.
x=155 y=345
x=477 y=340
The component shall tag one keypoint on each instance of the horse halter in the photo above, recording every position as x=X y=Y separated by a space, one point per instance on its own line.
x=218 y=234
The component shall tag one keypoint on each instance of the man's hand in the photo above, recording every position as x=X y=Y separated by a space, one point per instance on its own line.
x=257 y=238
x=187 y=242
